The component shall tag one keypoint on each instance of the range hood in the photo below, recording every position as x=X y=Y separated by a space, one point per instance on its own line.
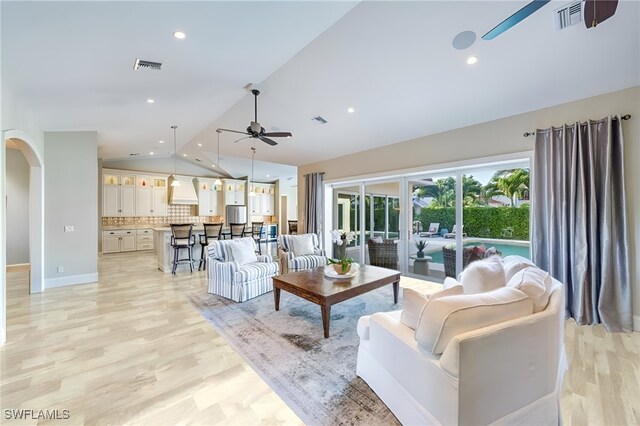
x=185 y=193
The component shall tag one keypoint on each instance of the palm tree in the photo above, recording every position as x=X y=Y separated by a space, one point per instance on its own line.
x=444 y=191
x=512 y=183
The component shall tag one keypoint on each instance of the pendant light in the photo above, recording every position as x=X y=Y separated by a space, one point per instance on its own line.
x=175 y=182
x=218 y=181
x=253 y=155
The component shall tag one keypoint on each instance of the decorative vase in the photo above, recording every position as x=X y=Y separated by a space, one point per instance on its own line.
x=420 y=254
x=340 y=251
x=338 y=268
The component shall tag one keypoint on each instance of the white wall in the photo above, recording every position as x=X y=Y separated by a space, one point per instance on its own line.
x=500 y=137
x=159 y=165
x=17 y=185
x=71 y=178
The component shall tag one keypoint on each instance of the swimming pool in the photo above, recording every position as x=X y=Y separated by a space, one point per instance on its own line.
x=506 y=249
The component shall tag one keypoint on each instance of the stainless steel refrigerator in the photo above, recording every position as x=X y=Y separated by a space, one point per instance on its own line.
x=236 y=214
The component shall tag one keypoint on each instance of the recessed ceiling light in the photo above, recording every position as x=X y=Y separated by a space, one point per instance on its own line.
x=199 y=144
x=160 y=141
x=151 y=153
x=268 y=176
x=184 y=155
x=350 y=110
x=179 y=35
x=472 y=60
x=150 y=101
x=213 y=165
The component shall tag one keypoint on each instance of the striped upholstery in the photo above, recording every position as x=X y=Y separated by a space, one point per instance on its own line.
x=238 y=282
x=289 y=262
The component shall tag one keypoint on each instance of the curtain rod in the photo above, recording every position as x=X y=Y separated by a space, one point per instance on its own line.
x=320 y=173
x=527 y=134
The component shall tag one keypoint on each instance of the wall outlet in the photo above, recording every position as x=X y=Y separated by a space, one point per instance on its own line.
x=68 y=228
x=60 y=269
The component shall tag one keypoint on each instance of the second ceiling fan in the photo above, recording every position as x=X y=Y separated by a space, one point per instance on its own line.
x=255 y=130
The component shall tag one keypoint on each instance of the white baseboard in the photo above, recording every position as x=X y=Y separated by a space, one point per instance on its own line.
x=70 y=280
x=636 y=323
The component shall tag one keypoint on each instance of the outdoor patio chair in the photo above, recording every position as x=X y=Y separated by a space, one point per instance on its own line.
x=383 y=254
x=433 y=230
x=452 y=234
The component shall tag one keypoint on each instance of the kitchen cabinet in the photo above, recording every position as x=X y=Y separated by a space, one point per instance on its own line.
x=144 y=239
x=118 y=241
x=151 y=196
x=209 y=197
x=118 y=195
x=262 y=203
x=234 y=192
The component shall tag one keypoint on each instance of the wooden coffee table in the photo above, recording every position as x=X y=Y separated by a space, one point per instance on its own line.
x=313 y=286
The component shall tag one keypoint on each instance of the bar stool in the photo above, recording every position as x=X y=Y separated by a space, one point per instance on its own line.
x=256 y=233
x=212 y=232
x=293 y=226
x=182 y=238
x=237 y=230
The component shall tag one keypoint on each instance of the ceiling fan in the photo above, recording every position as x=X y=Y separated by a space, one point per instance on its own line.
x=256 y=131
x=595 y=12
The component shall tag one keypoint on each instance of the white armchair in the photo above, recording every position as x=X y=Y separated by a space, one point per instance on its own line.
x=507 y=373
x=298 y=252
x=236 y=280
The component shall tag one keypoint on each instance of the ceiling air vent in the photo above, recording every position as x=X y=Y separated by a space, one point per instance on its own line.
x=320 y=120
x=142 y=64
x=568 y=15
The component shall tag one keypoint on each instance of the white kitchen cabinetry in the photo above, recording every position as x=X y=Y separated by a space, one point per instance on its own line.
x=118 y=195
x=209 y=197
x=234 y=191
x=118 y=241
x=144 y=239
x=151 y=196
x=262 y=204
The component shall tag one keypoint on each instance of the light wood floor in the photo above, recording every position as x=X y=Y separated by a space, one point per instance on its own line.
x=132 y=350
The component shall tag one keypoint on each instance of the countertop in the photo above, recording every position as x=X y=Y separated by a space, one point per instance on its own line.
x=197 y=226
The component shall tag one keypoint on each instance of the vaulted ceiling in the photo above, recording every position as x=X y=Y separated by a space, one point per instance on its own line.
x=392 y=62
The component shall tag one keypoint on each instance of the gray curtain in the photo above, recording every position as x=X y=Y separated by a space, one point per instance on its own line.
x=579 y=219
x=313 y=203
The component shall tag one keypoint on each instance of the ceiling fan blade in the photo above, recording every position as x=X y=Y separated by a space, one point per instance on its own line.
x=234 y=131
x=241 y=139
x=268 y=141
x=597 y=11
x=278 y=134
x=514 y=19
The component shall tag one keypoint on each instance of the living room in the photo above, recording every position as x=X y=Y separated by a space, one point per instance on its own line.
x=402 y=121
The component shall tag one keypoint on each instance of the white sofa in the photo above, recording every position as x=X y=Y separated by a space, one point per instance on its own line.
x=507 y=373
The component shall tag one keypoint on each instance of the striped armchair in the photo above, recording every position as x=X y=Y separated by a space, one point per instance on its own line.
x=227 y=278
x=290 y=262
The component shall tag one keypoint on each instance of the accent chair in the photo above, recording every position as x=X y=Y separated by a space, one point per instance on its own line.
x=298 y=252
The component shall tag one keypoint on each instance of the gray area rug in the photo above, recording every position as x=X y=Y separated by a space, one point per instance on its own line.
x=315 y=376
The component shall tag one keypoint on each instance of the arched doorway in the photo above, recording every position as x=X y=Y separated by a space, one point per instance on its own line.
x=24 y=143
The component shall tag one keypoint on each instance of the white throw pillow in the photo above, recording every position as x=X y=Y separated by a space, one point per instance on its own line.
x=446 y=317
x=536 y=283
x=302 y=245
x=413 y=303
x=450 y=282
x=513 y=264
x=483 y=275
x=243 y=251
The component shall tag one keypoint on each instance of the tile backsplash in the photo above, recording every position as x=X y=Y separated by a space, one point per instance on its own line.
x=175 y=214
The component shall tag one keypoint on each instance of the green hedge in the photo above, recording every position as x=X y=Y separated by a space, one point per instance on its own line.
x=485 y=222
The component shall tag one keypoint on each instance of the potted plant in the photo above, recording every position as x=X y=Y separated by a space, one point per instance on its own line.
x=341 y=266
x=420 y=245
x=341 y=239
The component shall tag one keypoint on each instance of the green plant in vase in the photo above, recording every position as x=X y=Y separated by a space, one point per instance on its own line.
x=421 y=245
x=341 y=266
